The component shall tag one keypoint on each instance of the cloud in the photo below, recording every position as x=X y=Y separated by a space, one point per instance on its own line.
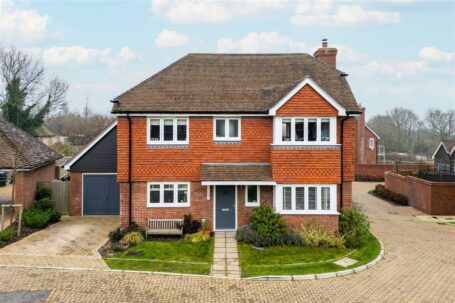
x=22 y=26
x=398 y=69
x=80 y=55
x=197 y=11
x=324 y=13
x=169 y=38
x=260 y=42
x=434 y=54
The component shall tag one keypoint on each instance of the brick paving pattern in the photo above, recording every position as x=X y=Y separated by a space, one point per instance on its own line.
x=71 y=243
x=225 y=256
x=418 y=267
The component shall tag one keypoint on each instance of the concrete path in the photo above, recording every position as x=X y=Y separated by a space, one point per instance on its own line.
x=71 y=243
x=419 y=266
x=226 y=256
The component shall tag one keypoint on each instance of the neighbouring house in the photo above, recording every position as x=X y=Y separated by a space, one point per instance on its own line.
x=367 y=142
x=47 y=136
x=217 y=135
x=444 y=157
x=33 y=160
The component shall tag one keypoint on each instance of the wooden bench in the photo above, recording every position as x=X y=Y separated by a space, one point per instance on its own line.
x=165 y=227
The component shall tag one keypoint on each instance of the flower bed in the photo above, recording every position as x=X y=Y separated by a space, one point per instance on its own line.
x=382 y=192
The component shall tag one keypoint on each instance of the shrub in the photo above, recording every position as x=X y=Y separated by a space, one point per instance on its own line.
x=369 y=178
x=117 y=248
x=43 y=204
x=381 y=191
x=354 y=227
x=190 y=226
x=43 y=191
x=6 y=234
x=116 y=235
x=55 y=215
x=200 y=236
x=134 y=227
x=35 y=218
x=267 y=222
x=313 y=236
x=133 y=238
x=250 y=236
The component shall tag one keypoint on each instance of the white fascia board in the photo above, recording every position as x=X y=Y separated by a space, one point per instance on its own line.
x=317 y=88
x=437 y=149
x=227 y=115
x=377 y=136
x=207 y=183
x=89 y=146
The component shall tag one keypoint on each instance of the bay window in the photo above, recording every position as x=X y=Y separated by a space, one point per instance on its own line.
x=306 y=199
x=305 y=130
x=168 y=194
x=226 y=129
x=167 y=130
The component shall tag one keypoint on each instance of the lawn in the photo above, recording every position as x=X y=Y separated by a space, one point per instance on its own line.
x=172 y=256
x=298 y=260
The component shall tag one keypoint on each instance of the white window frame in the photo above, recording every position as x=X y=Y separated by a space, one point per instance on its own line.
x=174 y=125
x=277 y=131
x=253 y=204
x=226 y=129
x=318 y=211
x=173 y=204
x=371 y=143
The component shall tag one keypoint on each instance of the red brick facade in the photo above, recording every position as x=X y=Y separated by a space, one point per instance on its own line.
x=365 y=154
x=309 y=165
x=26 y=182
x=433 y=198
x=75 y=207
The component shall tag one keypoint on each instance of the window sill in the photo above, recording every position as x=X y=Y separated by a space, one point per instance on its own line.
x=252 y=204
x=299 y=213
x=227 y=141
x=168 y=145
x=162 y=205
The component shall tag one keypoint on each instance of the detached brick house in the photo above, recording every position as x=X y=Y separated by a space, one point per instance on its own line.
x=367 y=142
x=217 y=135
x=34 y=161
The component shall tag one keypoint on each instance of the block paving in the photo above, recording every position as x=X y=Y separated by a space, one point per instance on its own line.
x=418 y=267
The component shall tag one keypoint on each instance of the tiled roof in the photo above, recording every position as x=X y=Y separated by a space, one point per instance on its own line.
x=236 y=172
x=32 y=153
x=229 y=83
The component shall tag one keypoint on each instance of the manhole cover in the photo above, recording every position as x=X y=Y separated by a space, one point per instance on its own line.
x=392 y=213
x=345 y=262
x=37 y=296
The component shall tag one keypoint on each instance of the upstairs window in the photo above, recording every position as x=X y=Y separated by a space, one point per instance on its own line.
x=226 y=129
x=305 y=131
x=167 y=131
x=371 y=143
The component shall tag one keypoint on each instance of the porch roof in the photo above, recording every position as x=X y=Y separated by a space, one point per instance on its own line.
x=236 y=173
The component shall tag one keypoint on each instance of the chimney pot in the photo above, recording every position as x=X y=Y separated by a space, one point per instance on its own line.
x=324 y=43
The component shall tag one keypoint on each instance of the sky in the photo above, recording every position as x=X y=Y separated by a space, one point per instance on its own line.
x=396 y=52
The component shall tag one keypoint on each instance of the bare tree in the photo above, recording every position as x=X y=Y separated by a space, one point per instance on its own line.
x=39 y=94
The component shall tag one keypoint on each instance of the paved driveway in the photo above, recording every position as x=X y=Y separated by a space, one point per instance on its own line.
x=419 y=266
x=73 y=242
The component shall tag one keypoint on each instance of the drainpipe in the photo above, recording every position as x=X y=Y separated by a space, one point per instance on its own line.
x=342 y=156
x=129 y=169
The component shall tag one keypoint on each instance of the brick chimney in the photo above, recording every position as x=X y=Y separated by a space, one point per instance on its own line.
x=326 y=54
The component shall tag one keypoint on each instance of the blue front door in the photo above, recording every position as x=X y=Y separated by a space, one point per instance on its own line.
x=225 y=207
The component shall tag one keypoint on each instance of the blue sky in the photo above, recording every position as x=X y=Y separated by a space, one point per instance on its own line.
x=396 y=52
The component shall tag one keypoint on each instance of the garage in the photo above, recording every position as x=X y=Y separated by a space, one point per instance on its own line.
x=101 y=195
x=94 y=190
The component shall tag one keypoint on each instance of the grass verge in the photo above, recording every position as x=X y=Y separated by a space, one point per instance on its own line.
x=174 y=256
x=294 y=260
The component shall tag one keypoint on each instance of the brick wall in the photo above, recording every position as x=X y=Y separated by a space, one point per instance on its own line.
x=433 y=198
x=75 y=205
x=372 y=170
x=26 y=182
x=201 y=208
x=365 y=155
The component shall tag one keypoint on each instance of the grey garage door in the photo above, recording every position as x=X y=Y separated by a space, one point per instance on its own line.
x=101 y=195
